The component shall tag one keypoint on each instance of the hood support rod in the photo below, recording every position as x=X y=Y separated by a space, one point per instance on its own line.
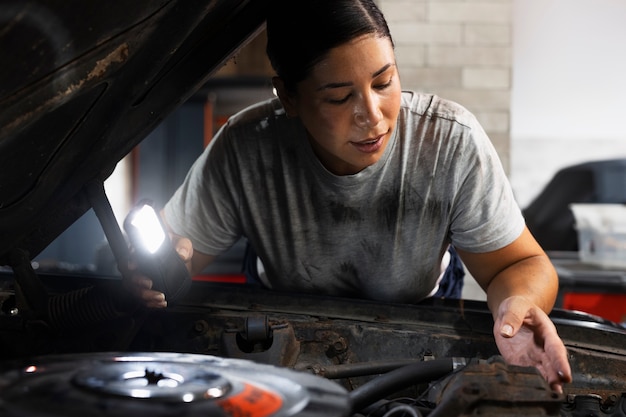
x=30 y=293
x=102 y=207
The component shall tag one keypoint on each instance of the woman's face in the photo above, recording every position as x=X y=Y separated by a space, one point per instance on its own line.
x=349 y=104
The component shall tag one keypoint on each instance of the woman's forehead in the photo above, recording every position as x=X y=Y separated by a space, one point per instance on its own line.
x=367 y=55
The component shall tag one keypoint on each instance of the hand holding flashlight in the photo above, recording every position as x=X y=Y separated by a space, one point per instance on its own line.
x=155 y=254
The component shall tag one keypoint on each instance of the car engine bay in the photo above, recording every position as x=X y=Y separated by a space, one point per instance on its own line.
x=435 y=358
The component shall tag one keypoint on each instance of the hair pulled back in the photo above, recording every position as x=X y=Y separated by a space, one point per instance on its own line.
x=301 y=32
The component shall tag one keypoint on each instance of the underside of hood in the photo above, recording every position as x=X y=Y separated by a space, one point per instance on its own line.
x=83 y=82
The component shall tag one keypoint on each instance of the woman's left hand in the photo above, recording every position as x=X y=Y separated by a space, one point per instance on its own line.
x=526 y=336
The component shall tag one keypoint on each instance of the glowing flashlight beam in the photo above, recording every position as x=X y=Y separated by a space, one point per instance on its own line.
x=150 y=230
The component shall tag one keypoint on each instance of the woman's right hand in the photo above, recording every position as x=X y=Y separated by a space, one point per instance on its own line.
x=140 y=286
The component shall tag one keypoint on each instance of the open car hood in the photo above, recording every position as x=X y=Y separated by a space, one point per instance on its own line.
x=84 y=82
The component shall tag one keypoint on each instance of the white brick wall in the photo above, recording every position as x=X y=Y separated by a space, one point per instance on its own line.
x=461 y=50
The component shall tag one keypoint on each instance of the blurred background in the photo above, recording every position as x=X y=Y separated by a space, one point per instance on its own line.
x=544 y=77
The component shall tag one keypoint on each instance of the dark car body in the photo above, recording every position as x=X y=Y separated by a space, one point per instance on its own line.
x=549 y=217
x=82 y=84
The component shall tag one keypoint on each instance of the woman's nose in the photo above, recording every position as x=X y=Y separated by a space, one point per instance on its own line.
x=367 y=113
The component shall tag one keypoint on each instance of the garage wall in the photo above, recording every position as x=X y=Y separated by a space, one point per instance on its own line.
x=460 y=50
x=569 y=86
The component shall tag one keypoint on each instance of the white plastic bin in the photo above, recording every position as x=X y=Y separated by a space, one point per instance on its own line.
x=601 y=234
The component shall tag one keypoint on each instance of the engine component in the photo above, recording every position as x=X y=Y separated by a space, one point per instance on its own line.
x=493 y=388
x=161 y=385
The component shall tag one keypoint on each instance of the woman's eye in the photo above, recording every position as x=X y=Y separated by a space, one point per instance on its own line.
x=385 y=85
x=339 y=101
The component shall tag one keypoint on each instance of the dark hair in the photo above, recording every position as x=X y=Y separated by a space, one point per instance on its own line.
x=301 y=32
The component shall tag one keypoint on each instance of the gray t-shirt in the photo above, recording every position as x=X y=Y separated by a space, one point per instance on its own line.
x=379 y=234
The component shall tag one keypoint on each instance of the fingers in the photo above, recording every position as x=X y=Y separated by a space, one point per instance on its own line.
x=141 y=287
x=526 y=335
x=557 y=387
x=154 y=299
x=506 y=330
x=556 y=370
x=554 y=376
x=184 y=248
x=141 y=282
x=511 y=315
x=560 y=370
x=557 y=384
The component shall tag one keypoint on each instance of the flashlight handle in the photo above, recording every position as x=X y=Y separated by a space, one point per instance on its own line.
x=173 y=278
x=167 y=271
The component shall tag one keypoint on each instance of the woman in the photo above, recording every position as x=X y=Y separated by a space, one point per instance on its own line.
x=346 y=185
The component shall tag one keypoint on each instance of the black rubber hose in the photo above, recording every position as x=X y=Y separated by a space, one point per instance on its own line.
x=88 y=306
x=351 y=370
x=394 y=381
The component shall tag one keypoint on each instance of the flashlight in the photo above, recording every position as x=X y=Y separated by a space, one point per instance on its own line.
x=156 y=256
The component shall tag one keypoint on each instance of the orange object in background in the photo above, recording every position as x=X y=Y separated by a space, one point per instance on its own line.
x=609 y=306
x=221 y=278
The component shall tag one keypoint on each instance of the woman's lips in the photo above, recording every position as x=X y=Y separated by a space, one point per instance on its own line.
x=369 y=145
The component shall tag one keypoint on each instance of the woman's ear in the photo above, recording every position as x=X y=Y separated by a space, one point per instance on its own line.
x=286 y=98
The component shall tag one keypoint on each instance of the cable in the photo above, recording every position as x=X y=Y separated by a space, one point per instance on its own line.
x=393 y=381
